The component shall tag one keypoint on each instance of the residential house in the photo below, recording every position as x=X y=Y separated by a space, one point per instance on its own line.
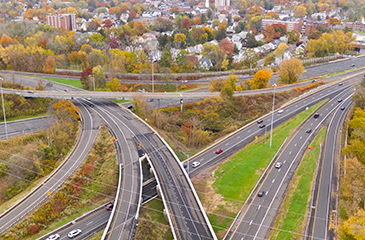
x=205 y=63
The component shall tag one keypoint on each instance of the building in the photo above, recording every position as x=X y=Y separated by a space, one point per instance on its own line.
x=295 y=24
x=314 y=25
x=66 y=21
x=222 y=4
x=355 y=25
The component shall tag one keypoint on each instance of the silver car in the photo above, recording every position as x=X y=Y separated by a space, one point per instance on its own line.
x=53 y=237
x=278 y=165
x=195 y=164
x=74 y=233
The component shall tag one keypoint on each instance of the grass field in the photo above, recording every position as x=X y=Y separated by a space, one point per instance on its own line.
x=292 y=218
x=71 y=82
x=334 y=74
x=244 y=169
x=152 y=224
x=25 y=117
x=120 y=100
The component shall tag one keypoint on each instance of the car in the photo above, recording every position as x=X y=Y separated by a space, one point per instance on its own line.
x=308 y=130
x=195 y=164
x=314 y=81
x=280 y=111
x=278 y=165
x=74 y=233
x=53 y=237
x=185 y=165
x=343 y=108
x=150 y=100
x=339 y=100
x=261 y=193
x=110 y=206
x=352 y=65
x=219 y=150
x=30 y=91
x=259 y=121
x=340 y=84
x=66 y=90
x=316 y=115
x=262 y=126
x=89 y=99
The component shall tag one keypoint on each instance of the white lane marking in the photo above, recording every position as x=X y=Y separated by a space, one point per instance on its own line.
x=300 y=137
x=295 y=145
x=273 y=180
x=284 y=161
x=266 y=193
x=227 y=144
x=326 y=109
x=259 y=207
x=279 y=169
x=238 y=137
x=311 y=124
x=89 y=223
x=290 y=152
x=251 y=222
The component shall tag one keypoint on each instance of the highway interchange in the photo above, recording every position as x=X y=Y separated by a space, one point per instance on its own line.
x=158 y=154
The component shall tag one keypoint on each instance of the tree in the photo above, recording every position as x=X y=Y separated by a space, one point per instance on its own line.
x=183 y=63
x=299 y=11
x=251 y=41
x=317 y=48
x=175 y=9
x=197 y=21
x=354 y=226
x=196 y=33
x=261 y=79
x=85 y=79
x=250 y=58
x=114 y=85
x=229 y=87
x=333 y=21
x=314 y=34
x=179 y=40
x=107 y=23
x=139 y=28
x=226 y=46
x=212 y=52
x=166 y=58
x=93 y=26
x=293 y=36
x=203 y=38
x=203 y=18
x=272 y=15
x=280 y=50
x=220 y=33
x=163 y=39
x=185 y=24
x=132 y=14
x=290 y=70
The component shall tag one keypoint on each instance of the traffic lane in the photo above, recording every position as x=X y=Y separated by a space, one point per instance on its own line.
x=149 y=192
x=240 y=139
x=86 y=225
x=321 y=217
x=32 y=125
x=80 y=152
x=129 y=197
x=270 y=182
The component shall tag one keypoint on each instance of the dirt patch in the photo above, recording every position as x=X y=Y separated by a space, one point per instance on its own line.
x=260 y=171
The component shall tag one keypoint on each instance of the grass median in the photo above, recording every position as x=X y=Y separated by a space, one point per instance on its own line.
x=70 y=82
x=292 y=218
x=235 y=179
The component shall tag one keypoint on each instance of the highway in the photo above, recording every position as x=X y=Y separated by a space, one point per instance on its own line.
x=323 y=209
x=127 y=204
x=21 y=127
x=255 y=219
x=89 y=131
x=188 y=219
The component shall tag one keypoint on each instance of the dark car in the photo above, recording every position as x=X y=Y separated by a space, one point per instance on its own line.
x=262 y=126
x=185 y=165
x=340 y=84
x=30 y=91
x=308 y=130
x=343 y=108
x=66 y=90
x=110 y=206
x=219 y=151
x=261 y=193
x=316 y=115
x=352 y=65
x=259 y=121
x=339 y=100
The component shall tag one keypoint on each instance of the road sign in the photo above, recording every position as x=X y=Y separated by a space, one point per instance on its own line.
x=309 y=147
x=256 y=137
x=49 y=193
x=113 y=139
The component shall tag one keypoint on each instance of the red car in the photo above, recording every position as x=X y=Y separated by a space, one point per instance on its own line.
x=219 y=151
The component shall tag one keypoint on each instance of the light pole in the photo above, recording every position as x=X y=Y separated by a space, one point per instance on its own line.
x=153 y=86
x=272 y=114
x=2 y=98
x=94 y=81
x=187 y=155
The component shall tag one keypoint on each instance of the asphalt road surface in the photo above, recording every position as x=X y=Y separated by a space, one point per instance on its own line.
x=21 y=127
x=90 y=129
x=255 y=219
x=323 y=208
x=126 y=207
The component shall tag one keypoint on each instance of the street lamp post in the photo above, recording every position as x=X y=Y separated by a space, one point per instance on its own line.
x=153 y=86
x=187 y=155
x=94 y=81
x=2 y=98
x=272 y=114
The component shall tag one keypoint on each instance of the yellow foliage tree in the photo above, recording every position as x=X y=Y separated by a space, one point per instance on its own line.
x=65 y=110
x=260 y=80
x=355 y=226
x=290 y=70
x=114 y=85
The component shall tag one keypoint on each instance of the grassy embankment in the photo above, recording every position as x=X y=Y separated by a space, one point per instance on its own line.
x=235 y=179
x=101 y=177
x=70 y=82
x=151 y=222
x=292 y=217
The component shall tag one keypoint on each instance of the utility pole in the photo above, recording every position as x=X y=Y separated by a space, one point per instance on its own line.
x=272 y=114
x=2 y=98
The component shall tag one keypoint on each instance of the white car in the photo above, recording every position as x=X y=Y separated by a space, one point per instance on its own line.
x=280 y=111
x=74 y=233
x=195 y=164
x=278 y=165
x=53 y=237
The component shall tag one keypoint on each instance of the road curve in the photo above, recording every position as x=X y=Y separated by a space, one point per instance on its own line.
x=89 y=131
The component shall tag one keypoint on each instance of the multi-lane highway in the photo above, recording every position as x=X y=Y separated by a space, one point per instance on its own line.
x=21 y=127
x=323 y=209
x=90 y=129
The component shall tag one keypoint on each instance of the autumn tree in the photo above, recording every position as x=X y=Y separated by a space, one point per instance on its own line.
x=175 y=9
x=212 y=52
x=280 y=50
x=107 y=23
x=261 y=79
x=166 y=58
x=226 y=46
x=114 y=85
x=299 y=11
x=290 y=70
x=196 y=33
x=65 y=109
x=229 y=86
x=185 y=24
x=293 y=36
x=179 y=40
x=86 y=79
x=314 y=34
x=139 y=28
x=353 y=228
x=132 y=14
x=250 y=58
x=197 y=21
